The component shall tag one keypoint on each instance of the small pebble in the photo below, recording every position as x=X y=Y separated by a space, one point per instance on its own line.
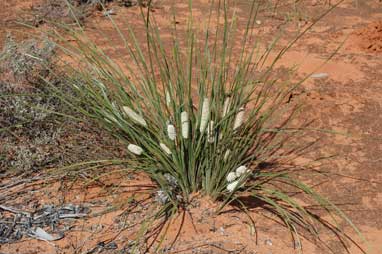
x=268 y=242
x=319 y=75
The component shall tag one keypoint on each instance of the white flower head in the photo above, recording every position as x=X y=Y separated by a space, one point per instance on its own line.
x=226 y=154
x=171 y=132
x=231 y=177
x=239 y=119
x=232 y=186
x=210 y=132
x=226 y=106
x=185 y=124
x=134 y=116
x=137 y=150
x=165 y=148
x=205 y=114
x=241 y=170
x=168 y=99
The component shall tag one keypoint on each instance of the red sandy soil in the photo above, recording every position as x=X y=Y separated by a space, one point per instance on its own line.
x=370 y=37
x=348 y=100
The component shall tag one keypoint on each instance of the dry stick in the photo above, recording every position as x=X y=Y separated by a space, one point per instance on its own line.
x=14 y=210
x=22 y=181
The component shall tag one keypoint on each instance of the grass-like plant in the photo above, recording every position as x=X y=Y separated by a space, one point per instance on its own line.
x=201 y=115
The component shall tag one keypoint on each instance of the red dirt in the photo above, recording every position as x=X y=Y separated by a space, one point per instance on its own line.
x=370 y=37
x=347 y=101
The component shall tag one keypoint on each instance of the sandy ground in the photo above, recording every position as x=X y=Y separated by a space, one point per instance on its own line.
x=347 y=99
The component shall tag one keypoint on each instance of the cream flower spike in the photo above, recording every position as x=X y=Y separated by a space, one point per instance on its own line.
x=165 y=148
x=185 y=124
x=137 y=150
x=205 y=114
x=239 y=118
x=134 y=116
x=232 y=186
x=171 y=132
x=241 y=170
x=227 y=103
x=168 y=99
x=231 y=177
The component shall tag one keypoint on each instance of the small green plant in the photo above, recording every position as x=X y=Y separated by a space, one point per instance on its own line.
x=22 y=65
x=26 y=61
x=202 y=116
x=58 y=10
x=30 y=131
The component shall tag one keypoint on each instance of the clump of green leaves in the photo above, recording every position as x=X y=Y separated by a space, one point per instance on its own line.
x=201 y=117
